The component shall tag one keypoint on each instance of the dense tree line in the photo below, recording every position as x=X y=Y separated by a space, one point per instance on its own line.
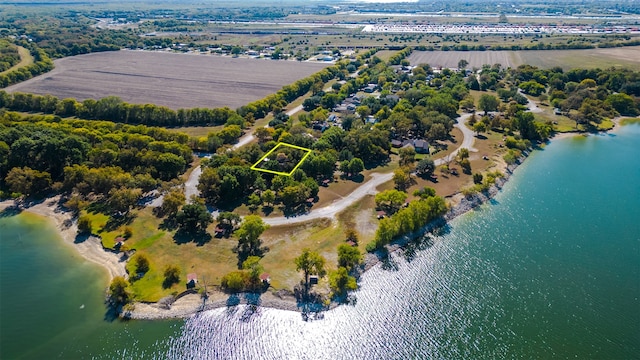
x=9 y=55
x=42 y=153
x=42 y=63
x=407 y=220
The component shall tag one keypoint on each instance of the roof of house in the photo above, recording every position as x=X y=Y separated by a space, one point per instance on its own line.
x=264 y=276
x=120 y=239
x=421 y=144
x=192 y=277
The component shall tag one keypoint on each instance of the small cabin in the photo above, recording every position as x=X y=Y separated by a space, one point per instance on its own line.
x=265 y=278
x=119 y=242
x=192 y=280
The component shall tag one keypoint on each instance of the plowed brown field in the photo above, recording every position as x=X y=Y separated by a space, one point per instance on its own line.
x=169 y=79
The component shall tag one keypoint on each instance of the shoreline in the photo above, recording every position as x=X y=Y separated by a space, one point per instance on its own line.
x=190 y=304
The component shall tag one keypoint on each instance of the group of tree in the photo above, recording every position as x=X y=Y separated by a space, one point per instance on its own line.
x=408 y=220
x=41 y=64
x=114 y=162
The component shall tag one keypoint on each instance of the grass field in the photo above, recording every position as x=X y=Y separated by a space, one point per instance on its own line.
x=628 y=57
x=173 y=80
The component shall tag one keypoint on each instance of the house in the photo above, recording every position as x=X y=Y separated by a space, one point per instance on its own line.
x=396 y=143
x=371 y=119
x=265 y=278
x=332 y=118
x=370 y=88
x=119 y=242
x=192 y=280
x=381 y=214
x=421 y=146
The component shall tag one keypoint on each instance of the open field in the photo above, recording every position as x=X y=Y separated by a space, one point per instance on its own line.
x=628 y=57
x=169 y=79
x=475 y=58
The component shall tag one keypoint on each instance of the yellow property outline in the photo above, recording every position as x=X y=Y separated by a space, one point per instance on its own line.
x=254 y=166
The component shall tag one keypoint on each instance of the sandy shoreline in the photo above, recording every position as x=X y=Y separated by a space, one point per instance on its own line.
x=91 y=249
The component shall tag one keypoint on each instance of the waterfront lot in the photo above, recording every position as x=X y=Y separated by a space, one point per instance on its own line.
x=169 y=79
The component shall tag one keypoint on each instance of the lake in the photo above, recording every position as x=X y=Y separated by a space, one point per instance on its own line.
x=549 y=269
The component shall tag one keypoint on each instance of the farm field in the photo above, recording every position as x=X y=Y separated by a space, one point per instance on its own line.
x=169 y=79
x=628 y=57
x=450 y=59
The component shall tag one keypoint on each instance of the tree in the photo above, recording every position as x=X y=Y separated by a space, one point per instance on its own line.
x=356 y=166
x=407 y=156
x=425 y=192
x=462 y=63
x=348 y=256
x=123 y=199
x=477 y=178
x=340 y=281
x=252 y=264
x=118 y=292
x=27 y=181
x=171 y=276
x=172 y=202
x=488 y=103
x=402 y=178
x=142 y=263
x=84 y=225
x=194 y=218
x=310 y=263
x=479 y=127
x=390 y=200
x=425 y=167
x=622 y=103
x=249 y=236
x=254 y=201
x=268 y=197
x=463 y=153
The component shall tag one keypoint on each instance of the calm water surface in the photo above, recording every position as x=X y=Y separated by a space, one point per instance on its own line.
x=549 y=269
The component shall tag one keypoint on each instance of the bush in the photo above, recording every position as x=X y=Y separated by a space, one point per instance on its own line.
x=235 y=281
x=84 y=225
x=171 y=276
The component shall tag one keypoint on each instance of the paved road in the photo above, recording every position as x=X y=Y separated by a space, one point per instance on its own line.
x=369 y=187
x=337 y=206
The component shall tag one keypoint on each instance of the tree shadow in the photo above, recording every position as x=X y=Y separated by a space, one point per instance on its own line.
x=10 y=211
x=292 y=211
x=117 y=220
x=244 y=255
x=481 y=137
x=169 y=282
x=112 y=312
x=199 y=238
x=266 y=210
x=168 y=224
x=80 y=238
